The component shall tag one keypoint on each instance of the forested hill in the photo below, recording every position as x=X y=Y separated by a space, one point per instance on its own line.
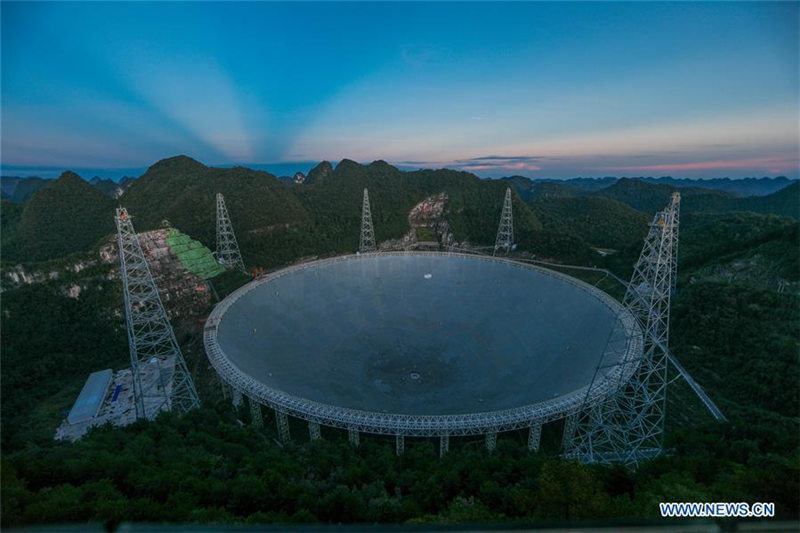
x=19 y=190
x=474 y=206
x=736 y=187
x=784 y=202
x=601 y=222
x=183 y=191
x=68 y=215
x=528 y=188
x=276 y=224
x=650 y=197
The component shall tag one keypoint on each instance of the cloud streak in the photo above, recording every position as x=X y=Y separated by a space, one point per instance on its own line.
x=778 y=164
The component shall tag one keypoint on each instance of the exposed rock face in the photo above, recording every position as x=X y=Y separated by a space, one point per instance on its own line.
x=429 y=226
x=18 y=275
x=183 y=293
x=427 y=219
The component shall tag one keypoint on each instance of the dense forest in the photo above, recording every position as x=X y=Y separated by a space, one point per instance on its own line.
x=67 y=216
x=734 y=326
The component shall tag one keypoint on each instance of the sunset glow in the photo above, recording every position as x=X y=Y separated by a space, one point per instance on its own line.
x=493 y=89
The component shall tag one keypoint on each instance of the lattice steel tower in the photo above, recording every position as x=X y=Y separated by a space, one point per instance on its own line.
x=161 y=380
x=505 y=232
x=628 y=426
x=227 y=249
x=367 y=242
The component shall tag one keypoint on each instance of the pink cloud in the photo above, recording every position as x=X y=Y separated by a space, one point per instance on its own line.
x=772 y=164
x=504 y=166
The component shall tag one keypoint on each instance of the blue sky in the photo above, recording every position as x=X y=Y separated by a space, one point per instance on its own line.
x=538 y=89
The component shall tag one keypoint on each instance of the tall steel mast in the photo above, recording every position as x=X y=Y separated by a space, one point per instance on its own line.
x=367 y=241
x=161 y=380
x=228 y=254
x=505 y=232
x=628 y=426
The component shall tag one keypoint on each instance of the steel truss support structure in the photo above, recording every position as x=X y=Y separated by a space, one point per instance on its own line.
x=400 y=444
x=491 y=441
x=236 y=397
x=314 y=432
x=255 y=413
x=353 y=437
x=224 y=387
x=505 y=232
x=282 y=421
x=367 y=241
x=227 y=248
x=628 y=426
x=676 y=214
x=534 y=437
x=444 y=445
x=570 y=424
x=161 y=380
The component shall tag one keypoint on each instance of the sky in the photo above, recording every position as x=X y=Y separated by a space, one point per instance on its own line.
x=545 y=90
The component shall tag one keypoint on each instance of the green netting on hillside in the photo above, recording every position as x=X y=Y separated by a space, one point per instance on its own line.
x=178 y=239
x=197 y=253
x=195 y=257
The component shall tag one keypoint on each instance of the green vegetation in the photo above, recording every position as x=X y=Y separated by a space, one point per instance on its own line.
x=722 y=325
x=731 y=328
x=265 y=213
x=601 y=222
x=528 y=189
x=19 y=190
x=205 y=468
x=50 y=344
x=106 y=186
x=652 y=197
x=712 y=239
x=425 y=234
x=785 y=202
x=67 y=216
x=229 y=281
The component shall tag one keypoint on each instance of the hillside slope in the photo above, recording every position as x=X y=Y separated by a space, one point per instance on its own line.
x=528 y=188
x=334 y=196
x=601 y=222
x=784 y=202
x=651 y=197
x=19 y=190
x=183 y=191
x=67 y=216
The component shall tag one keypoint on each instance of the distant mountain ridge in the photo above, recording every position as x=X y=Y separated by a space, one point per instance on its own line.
x=739 y=187
x=19 y=190
x=67 y=216
x=276 y=224
x=648 y=197
x=742 y=187
x=651 y=197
